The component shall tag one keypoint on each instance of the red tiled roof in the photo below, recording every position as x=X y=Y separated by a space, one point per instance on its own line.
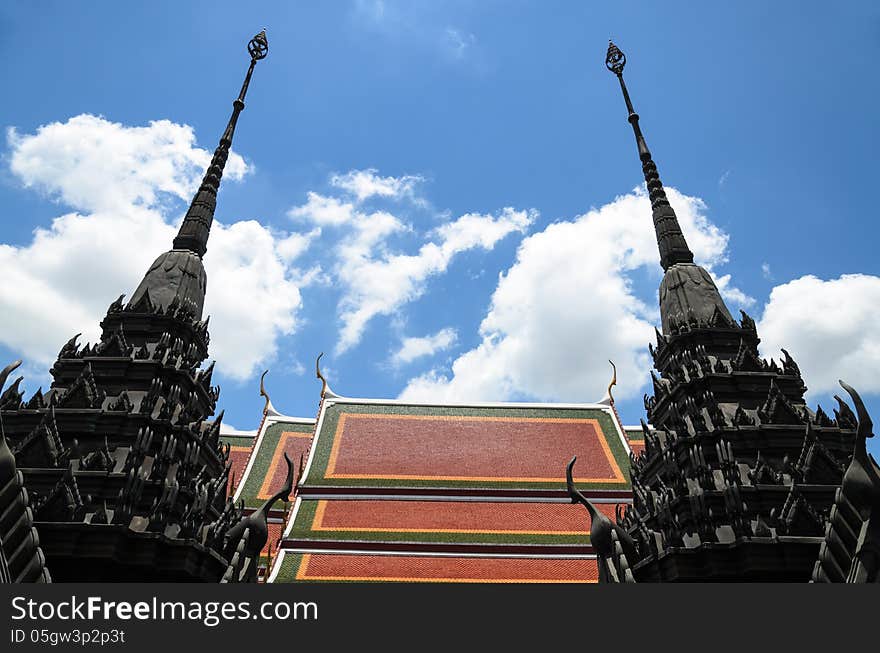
x=265 y=470
x=455 y=516
x=294 y=444
x=275 y=529
x=485 y=464
x=478 y=448
x=339 y=567
x=238 y=457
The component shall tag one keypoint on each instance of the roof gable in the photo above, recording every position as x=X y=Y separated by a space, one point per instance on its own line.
x=370 y=444
x=265 y=468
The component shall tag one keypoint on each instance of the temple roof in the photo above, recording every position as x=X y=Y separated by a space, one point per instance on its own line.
x=636 y=438
x=422 y=492
x=513 y=526
x=363 y=444
x=316 y=567
x=258 y=462
x=240 y=445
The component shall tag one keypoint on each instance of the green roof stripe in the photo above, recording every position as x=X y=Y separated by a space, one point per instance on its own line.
x=635 y=434
x=237 y=440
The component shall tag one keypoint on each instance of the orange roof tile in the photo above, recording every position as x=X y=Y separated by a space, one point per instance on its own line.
x=343 y=567
x=455 y=517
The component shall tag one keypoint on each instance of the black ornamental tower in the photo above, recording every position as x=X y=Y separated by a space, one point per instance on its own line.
x=124 y=471
x=738 y=476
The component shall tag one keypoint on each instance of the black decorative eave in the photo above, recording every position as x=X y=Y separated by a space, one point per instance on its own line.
x=850 y=551
x=21 y=558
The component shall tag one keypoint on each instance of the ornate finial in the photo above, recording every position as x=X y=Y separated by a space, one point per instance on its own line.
x=263 y=392
x=320 y=376
x=615 y=60
x=258 y=47
x=608 y=398
x=193 y=234
x=613 y=381
x=670 y=241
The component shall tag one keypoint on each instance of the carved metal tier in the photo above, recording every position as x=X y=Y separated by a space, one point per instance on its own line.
x=123 y=466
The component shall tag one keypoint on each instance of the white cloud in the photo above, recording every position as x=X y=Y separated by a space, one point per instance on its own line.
x=765 y=271
x=567 y=305
x=293 y=245
x=378 y=282
x=477 y=230
x=414 y=348
x=96 y=165
x=364 y=184
x=375 y=279
x=253 y=296
x=732 y=295
x=229 y=429
x=323 y=211
x=119 y=180
x=831 y=328
x=62 y=282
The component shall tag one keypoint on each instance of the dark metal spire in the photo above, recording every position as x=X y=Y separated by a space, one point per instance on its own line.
x=193 y=234
x=673 y=247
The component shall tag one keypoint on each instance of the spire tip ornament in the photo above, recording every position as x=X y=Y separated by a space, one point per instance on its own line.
x=194 y=231
x=258 y=47
x=670 y=240
x=615 y=60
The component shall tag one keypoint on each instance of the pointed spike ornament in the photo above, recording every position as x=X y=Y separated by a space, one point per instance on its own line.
x=193 y=234
x=613 y=381
x=263 y=392
x=320 y=375
x=670 y=240
x=608 y=399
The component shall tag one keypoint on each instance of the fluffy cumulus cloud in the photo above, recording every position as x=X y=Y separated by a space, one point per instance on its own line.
x=120 y=182
x=93 y=164
x=413 y=348
x=379 y=283
x=364 y=184
x=376 y=279
x=253 y=295
x=831 y=328
x=323 y=211
x=63 y=280
x=567 y=305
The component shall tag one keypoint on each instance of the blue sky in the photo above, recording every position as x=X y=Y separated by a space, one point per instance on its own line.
x=417 y=183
